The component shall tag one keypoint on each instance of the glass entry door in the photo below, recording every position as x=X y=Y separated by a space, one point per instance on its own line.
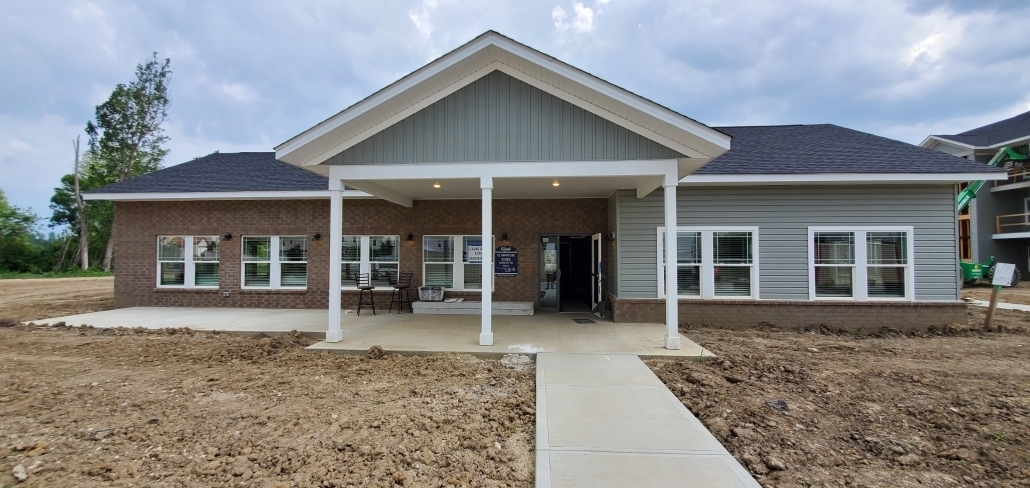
x=549 y=273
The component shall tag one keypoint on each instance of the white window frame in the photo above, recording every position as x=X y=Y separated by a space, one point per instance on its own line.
x=189 y=264
x=274 y=264
x=860 y=275
x=458 y=262
x=708 y=261
x=365 y=263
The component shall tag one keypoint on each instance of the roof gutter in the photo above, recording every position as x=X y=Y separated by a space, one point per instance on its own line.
x=841 y=178
x=220 y=195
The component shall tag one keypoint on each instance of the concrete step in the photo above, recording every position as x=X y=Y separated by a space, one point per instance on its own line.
x=472 y=308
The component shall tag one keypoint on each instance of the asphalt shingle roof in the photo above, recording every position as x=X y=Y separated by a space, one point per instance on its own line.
x=224 y=172
x=782 y=149
x=1004 y=130
x=827 y=148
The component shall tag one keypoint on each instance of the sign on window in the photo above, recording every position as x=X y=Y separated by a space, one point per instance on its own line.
x=475 y=254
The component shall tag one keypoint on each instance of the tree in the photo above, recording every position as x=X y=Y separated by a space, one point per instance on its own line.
x=126 y=138
x=80 y=206
x=16 y=250
x=99 y=214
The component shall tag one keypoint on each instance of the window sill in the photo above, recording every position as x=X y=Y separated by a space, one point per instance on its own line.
x=272 y=290
x=187 y=290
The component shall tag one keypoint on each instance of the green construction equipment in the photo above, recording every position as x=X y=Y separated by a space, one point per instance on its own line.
x=973 y=272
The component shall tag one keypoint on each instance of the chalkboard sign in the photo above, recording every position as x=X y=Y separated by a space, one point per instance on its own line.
x=506 y=261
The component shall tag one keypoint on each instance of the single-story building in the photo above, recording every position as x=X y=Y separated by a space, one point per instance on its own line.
x=497 y=152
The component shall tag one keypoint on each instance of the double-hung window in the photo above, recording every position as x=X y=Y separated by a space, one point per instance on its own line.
x=275 y=262
x=377 y=255
x=187 y=261
x=712 y=262
x=861 y=263
x=454 y=269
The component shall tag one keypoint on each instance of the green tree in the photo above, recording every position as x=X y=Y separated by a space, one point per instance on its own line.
x=126 y=138
x=16 y=250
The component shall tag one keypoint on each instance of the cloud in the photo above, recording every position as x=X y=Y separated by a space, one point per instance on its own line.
x=582 y=21
x=248 y=79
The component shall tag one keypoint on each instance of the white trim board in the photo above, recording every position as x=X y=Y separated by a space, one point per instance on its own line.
x=223 y=195
x=604 y=100
x=844 y=178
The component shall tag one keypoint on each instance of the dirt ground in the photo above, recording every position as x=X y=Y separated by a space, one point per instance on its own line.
x=42 y=298
x=132 y=408
x=90 y=407
x=1016 y=294
x=946 y=408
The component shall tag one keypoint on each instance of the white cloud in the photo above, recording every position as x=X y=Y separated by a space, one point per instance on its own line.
x=422 y=19
x=582 y=21
x=239 y=92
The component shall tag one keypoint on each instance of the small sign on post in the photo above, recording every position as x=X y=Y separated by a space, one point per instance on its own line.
x=1003 y=274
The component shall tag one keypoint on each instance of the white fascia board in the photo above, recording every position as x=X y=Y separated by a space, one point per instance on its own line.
x=548 y=169
x=1011 y=142
x=759 y=179
x=379 y=97
x=1012 y=235
x=664 y=114
x=233 y=195
x=926 y=142
x=696 y=128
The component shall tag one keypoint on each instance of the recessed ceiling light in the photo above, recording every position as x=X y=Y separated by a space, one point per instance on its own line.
x=436 y=185
x=556 y=183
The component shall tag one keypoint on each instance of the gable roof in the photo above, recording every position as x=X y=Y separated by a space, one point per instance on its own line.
x=994 y=134
x=494 y=52
x=223 y=172
x=828 y=148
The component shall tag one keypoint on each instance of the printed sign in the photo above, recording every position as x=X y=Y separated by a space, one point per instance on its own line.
x=1003 y=274
x=506 y=261
x=475 y=254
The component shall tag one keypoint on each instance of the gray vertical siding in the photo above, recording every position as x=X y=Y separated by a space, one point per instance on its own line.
x=783 y=215
x=499 y=118
x=612 y=266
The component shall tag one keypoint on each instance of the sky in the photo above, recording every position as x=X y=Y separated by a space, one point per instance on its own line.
x=247 y=76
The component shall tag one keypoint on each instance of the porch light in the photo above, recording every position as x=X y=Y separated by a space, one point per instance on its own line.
x=411 y=237
x=227 y=236
x=504 y=237
x=557 y=182
x=436 y=185
x=317 y=236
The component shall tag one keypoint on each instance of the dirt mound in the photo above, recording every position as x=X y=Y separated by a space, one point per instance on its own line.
x=132 y=407
x=946 y=409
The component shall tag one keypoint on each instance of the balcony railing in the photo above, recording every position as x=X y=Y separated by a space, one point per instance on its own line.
x=1016 y=175
x=1012 y=223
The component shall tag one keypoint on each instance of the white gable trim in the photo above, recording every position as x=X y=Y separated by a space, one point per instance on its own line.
x=719 y=142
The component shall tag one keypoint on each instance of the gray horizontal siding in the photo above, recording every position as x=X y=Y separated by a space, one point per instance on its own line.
x=783 y=215
x=499 y=118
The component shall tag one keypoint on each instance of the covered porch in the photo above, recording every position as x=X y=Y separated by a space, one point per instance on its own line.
x=556 y=181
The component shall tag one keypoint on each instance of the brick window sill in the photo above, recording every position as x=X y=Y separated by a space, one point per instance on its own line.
x=186 y=290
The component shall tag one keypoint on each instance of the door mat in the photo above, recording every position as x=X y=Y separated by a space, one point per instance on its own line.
x=583 y=321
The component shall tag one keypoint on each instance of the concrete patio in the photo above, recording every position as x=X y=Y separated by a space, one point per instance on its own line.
x=407 y=333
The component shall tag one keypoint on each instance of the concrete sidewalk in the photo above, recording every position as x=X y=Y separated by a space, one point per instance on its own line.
x=1002 y=305
x=607 y=420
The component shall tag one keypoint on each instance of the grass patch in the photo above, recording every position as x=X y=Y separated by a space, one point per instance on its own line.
x=72 y=273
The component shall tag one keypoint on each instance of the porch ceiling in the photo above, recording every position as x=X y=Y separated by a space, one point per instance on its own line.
x=504 y=188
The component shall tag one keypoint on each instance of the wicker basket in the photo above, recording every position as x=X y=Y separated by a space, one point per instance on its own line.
x=430 y=293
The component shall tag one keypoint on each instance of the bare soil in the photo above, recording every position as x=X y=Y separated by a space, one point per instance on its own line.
x=949 y=407
x=118 y=407
x=1017 y=294
x=41 y=298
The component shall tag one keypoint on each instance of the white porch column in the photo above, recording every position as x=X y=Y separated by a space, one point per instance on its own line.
x=672 y=336
x=486 y=337
x=334 y=333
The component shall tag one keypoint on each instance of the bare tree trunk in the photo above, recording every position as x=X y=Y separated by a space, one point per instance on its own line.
x=109 y=252
x=83 y=225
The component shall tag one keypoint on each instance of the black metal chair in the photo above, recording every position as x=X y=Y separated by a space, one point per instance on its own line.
x=401 y=293
x=364 y=283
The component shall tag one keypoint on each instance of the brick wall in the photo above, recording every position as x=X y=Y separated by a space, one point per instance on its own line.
x=137 y=225
x=742 y=314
